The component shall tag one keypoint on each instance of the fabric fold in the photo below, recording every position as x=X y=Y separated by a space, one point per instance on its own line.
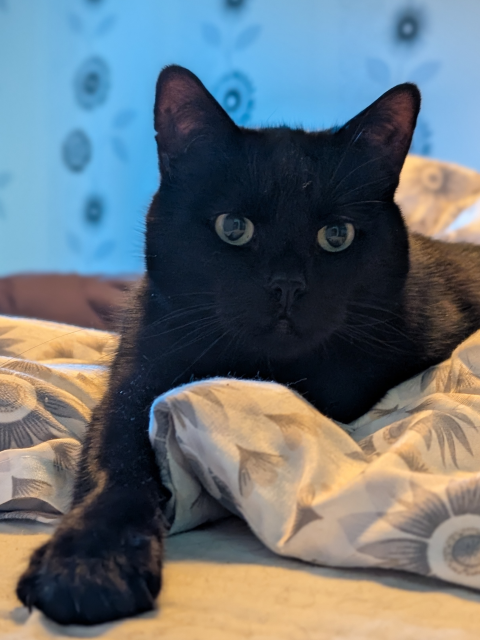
x=399 y=488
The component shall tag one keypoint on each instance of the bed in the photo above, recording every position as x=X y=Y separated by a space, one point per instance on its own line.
x=221 y=581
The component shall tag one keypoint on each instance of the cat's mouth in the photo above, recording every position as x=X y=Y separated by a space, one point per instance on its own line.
x=283 y=330
x=284 y=340
x=284 y=327
x=280 y=339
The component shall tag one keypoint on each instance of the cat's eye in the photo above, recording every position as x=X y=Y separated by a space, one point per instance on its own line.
x=336 y=237
x=234 y=229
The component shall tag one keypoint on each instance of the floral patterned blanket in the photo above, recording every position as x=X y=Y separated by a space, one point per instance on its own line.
x=399 y=488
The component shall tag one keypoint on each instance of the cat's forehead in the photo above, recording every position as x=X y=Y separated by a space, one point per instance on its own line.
x=290 y=163
x=283 y=147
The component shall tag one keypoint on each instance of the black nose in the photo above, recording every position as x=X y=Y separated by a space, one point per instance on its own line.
x=286 y=290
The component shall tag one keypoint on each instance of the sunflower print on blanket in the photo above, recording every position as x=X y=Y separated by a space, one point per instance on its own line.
x=443 y=533
x=399 y=488
x=51 y=376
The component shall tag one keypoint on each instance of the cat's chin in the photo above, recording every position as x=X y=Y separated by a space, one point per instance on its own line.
x=283 y=342
x=284 y=350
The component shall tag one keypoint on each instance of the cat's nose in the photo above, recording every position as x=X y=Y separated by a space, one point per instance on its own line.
x=286 y=290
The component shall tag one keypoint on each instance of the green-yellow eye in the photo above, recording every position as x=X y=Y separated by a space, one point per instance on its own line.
x=234 y=229
x=336 y=237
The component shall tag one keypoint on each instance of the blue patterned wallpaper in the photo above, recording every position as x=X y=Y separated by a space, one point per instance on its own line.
x=77 y=77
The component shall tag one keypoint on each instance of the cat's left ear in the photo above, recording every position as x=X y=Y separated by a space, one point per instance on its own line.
x=387 y=125
x=187 y=116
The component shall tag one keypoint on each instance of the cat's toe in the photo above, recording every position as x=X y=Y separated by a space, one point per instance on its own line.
x=27 y=582
x=74 y=587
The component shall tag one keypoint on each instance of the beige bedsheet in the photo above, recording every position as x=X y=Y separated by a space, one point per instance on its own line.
x=221 y=583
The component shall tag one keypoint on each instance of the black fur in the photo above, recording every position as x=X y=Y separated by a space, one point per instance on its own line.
x=340 y=327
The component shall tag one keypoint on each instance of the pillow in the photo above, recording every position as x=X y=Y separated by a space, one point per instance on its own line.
x=434 y=197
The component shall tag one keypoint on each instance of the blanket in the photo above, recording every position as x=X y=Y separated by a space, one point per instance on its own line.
x=399 y=488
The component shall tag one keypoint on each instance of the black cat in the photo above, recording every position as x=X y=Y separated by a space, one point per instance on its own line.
x=271 y=253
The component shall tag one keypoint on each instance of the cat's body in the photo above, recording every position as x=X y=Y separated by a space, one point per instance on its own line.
x=276 y=254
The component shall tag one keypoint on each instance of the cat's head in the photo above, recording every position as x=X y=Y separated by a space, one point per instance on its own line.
x=278 y=232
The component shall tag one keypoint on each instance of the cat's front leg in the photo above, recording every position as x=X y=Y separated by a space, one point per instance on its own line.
x=103 y=563
x=104 y=560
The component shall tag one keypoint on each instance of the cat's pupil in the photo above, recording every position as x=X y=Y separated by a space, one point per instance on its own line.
x=336 y=235
x=234 y=227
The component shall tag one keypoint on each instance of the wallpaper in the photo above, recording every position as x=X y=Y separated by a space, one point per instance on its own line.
x=77 y=77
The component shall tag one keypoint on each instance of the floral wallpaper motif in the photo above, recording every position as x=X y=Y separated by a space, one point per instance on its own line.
x=409 y=26
x=84 y=160
x=408 y=30
x=92 y=83
x=77 y=150
x=94 y=210
x=235 y=93
x=234 y=90
x=234 y=4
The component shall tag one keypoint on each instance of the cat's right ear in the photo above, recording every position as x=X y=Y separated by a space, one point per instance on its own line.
x=387 y=125
x=186 y=116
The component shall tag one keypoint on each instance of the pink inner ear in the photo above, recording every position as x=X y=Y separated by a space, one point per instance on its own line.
x=391 y=119
x=402 y=112
x=178 y=110
x=185 y=112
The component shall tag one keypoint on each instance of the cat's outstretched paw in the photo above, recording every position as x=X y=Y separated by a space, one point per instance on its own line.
x=92 y=572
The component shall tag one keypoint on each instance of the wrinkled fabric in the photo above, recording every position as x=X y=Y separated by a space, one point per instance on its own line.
x=51 y=377
x=399 y=488
x=440 y=199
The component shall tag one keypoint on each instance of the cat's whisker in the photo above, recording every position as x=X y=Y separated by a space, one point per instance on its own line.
x=350 y=341
x=183 y=310
x=191 y=293
x=385 y=323
x=199 y=322
x=359 y=336
x=181 y=344
x=375 y=321
x=241 y=338
x=369 y=306
x=178 y=313
x=373 y=316
x=192 y=342
x=360 y=202
x=204 y=352
x=346 y=151
x=234 y=340
x=363 y=185
x=356 y=326
x=354 y=342
x=357 y=168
